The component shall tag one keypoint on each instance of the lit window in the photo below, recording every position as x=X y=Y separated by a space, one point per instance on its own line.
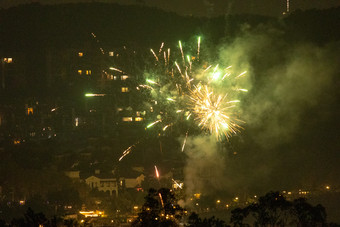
x=111 y=54
x=8 y=60
x=127 y=119
x=80 y=71
x=88 y=72
x=29 y=110
x=115 y=77
x=138 y=114
x=80 y=54
x=124 y=77
x=125 y=89
x=76 y=121
x=138 y=119
x=119 y=109
x=111 y=77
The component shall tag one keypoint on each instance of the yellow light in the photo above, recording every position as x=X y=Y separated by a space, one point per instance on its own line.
x=8 y=60
x=80 y=54
x=138 y=119
x=328 y=187
x=126 y=119
x=125 y=89
x=29 y=110
x=80 y=71
x=124 y=77
x=218 y=201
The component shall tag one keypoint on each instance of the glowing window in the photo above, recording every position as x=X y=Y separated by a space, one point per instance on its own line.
x=119 y=109
x=138 y=114
x=124 y=77
x=138 y=119
x=88 y=72
x=127 y=119
x=125 y=89
x=8 y=60
x=29 y=110
x=80 y=54
x=80 y=71
x=111 y=54
x=115 y=77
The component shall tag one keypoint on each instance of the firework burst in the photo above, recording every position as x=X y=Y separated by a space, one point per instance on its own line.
x=191 y=90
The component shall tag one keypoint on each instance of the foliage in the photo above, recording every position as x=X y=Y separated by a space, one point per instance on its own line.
x=195 y=221
x=274 y=210
x=160 y=209
x=31 y=219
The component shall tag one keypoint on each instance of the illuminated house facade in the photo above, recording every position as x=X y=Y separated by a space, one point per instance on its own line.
x=105 y=184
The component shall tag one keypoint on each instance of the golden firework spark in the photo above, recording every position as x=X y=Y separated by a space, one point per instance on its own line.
x=213 y=112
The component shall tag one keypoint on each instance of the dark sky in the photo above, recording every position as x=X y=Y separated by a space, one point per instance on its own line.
x=207 y=7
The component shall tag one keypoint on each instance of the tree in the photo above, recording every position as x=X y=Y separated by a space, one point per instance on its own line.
x=308 y=215
x=195 y=221
x=238 y=215
x=31 y=219
x=274 y=210
x=160 y=209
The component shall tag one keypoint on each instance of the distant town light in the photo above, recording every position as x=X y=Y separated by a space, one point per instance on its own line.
x=124 y=77
x=8 y=60
x=127 y=119
x=125 y=89
x=29 y=110
x=80 y=54
x=328 y=187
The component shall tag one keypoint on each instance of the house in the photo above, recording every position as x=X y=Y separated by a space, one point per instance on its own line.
x=106 y=183
x=131 y=178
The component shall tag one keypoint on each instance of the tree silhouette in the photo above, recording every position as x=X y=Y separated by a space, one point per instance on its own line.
x=195 y=221
x=307 y=215
x=31 y=219
x=274 y=210
x=160 y=209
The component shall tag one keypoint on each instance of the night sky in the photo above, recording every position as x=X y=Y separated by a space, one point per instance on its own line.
x=208 y=7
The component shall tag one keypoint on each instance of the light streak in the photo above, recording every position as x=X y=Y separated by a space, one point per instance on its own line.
x=156 y=172
x=177 y=184
x=93 y=95
x=184 y=142
x=115 y=69
x=198 y=47
x=154 y=54
x=160 y=196
x=153 y=123
x=181 y=48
